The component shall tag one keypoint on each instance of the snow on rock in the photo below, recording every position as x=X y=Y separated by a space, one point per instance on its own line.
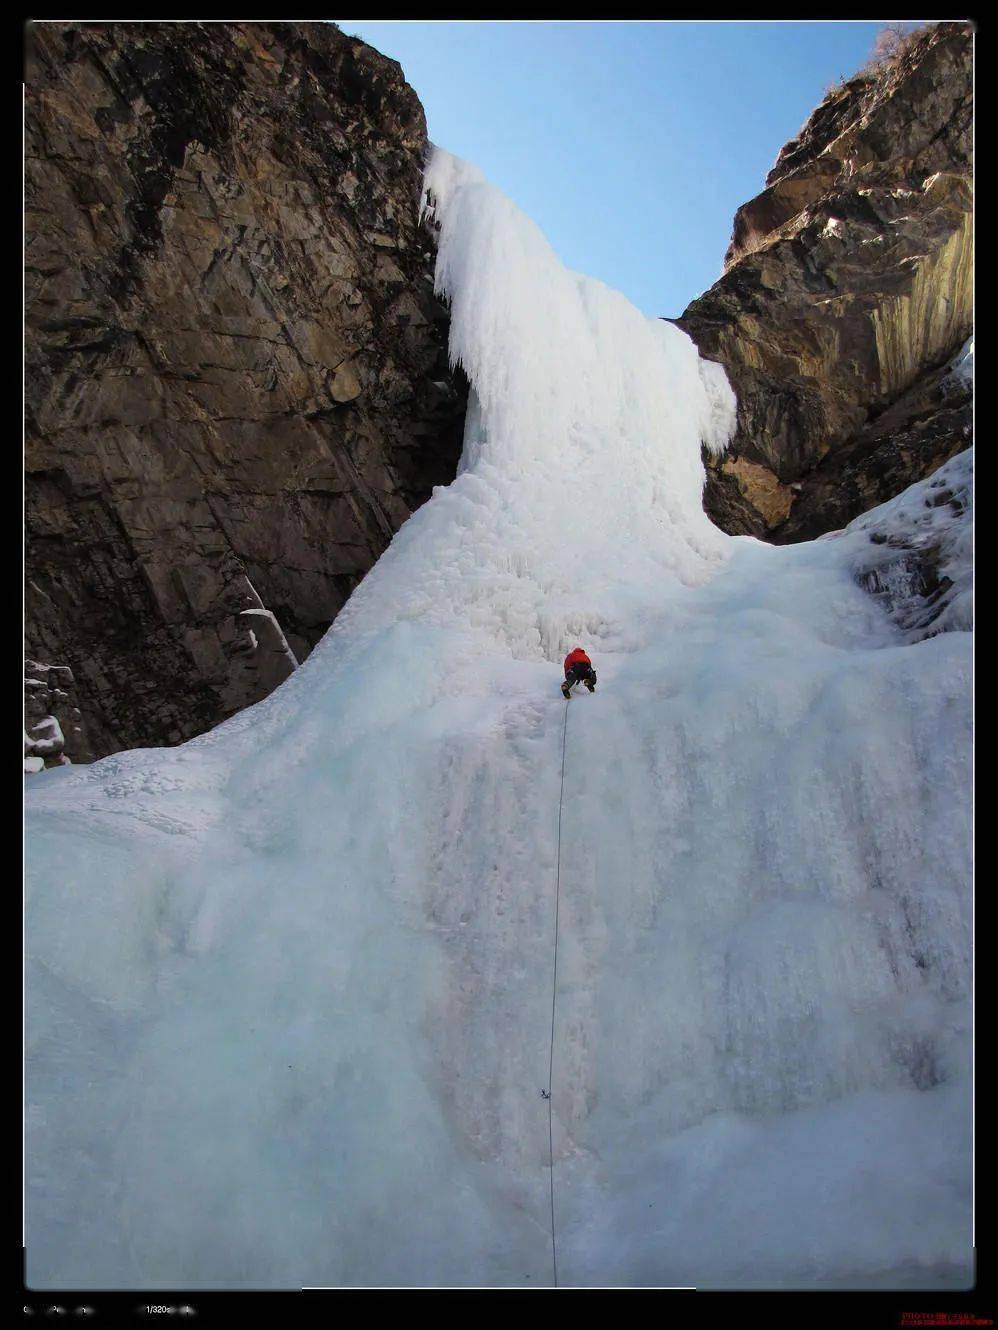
x=54 y=730
x=963 y=364
x=44 y=741
x=49 y=741
x=920 y=565
x=290 y=984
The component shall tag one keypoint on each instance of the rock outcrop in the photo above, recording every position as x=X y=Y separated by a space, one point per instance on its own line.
x=926 y=426
x=847 y=289
x=54 y=732
x=237 y=378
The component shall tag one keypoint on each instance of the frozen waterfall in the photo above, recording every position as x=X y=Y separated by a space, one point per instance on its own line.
x=290 y=984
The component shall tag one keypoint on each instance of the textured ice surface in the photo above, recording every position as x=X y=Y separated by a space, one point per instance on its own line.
x=290 y=983
x=917 y=551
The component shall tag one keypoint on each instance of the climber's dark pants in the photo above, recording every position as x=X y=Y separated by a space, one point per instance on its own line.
x=578 y=673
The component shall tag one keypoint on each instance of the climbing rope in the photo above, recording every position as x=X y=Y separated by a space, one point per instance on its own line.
x=554 y=993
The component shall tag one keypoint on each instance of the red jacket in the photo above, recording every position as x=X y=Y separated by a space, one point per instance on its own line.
x=574 y=657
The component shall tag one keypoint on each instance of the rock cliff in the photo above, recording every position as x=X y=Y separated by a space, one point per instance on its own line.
x=237 y=380
x=847 y=290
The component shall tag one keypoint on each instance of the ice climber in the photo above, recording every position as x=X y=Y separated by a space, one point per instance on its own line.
x=578 y=669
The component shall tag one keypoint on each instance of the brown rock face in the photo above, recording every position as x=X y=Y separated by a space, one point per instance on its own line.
x=848 y=281
x=237 y=381
x=924 y=428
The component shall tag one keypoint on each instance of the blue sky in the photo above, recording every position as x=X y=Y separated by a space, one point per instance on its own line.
x=630 y=144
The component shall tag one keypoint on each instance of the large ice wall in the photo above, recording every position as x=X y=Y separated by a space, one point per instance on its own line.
x=581 y=477
x=290 y=984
